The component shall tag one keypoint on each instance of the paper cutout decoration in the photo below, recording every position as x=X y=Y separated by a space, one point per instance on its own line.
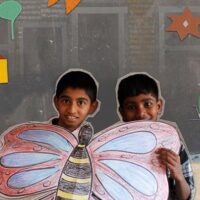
x=185 y=24
x=42 y=161
x=197 y=108
x=9 y=10
x=3 y=70
x=198 y=105
x=70 y=4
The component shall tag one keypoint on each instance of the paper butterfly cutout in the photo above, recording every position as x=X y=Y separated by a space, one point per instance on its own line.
x=70 y=4
x=118 y=163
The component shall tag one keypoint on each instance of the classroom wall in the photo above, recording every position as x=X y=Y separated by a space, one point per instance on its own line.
x=109 y=38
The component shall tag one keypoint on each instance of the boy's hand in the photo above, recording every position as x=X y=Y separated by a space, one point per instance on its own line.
x=172 y=161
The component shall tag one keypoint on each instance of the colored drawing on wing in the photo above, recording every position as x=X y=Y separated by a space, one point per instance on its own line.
x=42 y=161
x=9 y=10
x=3 y=70
x=70 y=4
x=185 y=24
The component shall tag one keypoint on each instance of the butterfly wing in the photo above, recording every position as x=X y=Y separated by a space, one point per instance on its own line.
x=32 y=157
x=125 y=165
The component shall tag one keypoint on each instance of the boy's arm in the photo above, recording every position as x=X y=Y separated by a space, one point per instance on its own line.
x=187 y=170
x=180 y=171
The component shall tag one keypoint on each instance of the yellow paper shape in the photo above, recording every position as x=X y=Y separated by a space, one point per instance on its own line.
x=3 y=70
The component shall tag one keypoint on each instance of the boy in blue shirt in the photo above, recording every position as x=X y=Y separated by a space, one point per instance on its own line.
x=139 y=99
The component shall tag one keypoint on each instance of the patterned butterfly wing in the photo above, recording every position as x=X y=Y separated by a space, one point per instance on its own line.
x=32 y=157
x=124 y=162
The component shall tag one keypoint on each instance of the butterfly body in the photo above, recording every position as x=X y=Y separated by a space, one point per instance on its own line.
x=119 y=162
x=75 y=181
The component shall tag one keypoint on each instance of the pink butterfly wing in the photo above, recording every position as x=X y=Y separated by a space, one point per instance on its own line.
x=125 y=164
x=32 y=158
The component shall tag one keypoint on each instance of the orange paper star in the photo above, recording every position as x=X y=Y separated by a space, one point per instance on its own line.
x=70 y=4
x=185 y=24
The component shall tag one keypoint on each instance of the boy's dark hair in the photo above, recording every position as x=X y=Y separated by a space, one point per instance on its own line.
x=77 y=79
x=135 y=85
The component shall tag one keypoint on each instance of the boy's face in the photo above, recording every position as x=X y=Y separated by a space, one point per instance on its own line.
x=73 y=105
x=141 y=107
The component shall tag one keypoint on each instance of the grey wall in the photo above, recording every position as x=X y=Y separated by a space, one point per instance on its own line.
x=109 y=38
